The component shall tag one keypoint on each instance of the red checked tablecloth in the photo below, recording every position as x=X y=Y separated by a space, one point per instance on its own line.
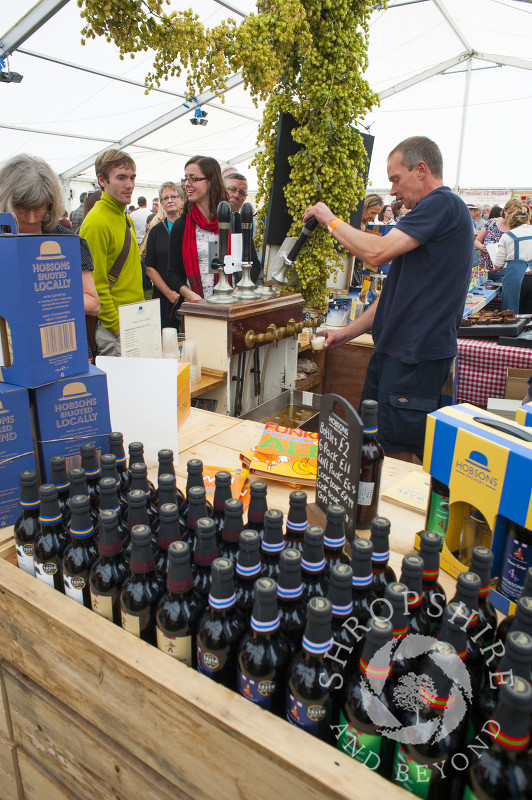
x=482 y=365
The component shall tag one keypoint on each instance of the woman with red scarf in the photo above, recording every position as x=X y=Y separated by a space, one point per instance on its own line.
x=189 y=270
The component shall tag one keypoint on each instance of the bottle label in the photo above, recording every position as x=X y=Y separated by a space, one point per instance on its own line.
x=102 y=604
x=438 y=518
x=179 y=647
x=133 y=622
x=74 y=585
x=364 y=747
x=516 y=561
x=25 y=558
x=208 y=662
x=259 y=692
x=45 y=571
x=304 y=716
x=468 y=794
x=366 y=491
x=410 y=774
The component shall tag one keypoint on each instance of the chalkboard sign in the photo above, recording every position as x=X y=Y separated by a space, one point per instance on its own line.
x=340 y=440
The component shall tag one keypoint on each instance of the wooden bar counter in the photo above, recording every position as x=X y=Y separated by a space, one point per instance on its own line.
x=89 y=711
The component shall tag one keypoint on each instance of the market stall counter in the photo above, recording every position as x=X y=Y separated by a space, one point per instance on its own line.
x=88 y=710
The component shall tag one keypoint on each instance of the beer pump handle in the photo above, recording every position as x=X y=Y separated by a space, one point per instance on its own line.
x=308 y=229
x=224 y=224
x=246 y=219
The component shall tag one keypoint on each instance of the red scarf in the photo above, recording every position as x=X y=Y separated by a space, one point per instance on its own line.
x=190 y=248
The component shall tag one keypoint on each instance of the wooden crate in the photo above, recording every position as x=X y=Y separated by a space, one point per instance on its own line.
x=95 y=712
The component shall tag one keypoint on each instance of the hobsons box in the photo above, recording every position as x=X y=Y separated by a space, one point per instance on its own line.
x=16 y=448
x=487 y=463
x=68 y=413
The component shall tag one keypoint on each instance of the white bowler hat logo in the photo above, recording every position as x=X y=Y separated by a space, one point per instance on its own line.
x=3 y=410
x=49 y=250
x=72 y=391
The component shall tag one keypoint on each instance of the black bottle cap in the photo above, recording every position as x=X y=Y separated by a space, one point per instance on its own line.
x=196 y=505
x=136 y=452
x=166 y=461
x=481 y=564
x=222 y=592
x=136 y=498
x=116 y=446
x=379 y=633
x=222 y=478
x=196 y=494
x=107 y=486
x=380 y=532
x=454 y=627
x=108 y=494
x=139 y=470
x=512 y=715
x=523 y=615
x=412 y=576
x=109 y=540
x=395 y=594
x=78 y=481
x=80 y=520
x=169 y=528
x=116 y=438
x=517 y=657
x=179 y=577
x=298 y=499
x=334 y=535
x=233 y=522
x=141 y=559
x=49 y=512
x=273 y=539
x=58 y=472
x=361 y=555
x=166 y=485
x=205 y=546
x=317 y=639
x=108 y=466
x=289 y=585
x=339 y=591
x=429 y=550
x=436 y=671
x=257 y=503
x=258 y=489
x=312 y=559
x=369 y=415
x=195 y=466
x=29 y=496
x=248 y=560
x=89 y=459
x=265 y=614
x=467 y=589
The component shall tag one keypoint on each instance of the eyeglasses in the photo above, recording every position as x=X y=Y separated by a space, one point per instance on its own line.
x=173 y=197
x=192 y=179
x=234 y=190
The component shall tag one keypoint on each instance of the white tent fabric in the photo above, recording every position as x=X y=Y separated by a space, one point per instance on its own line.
x=67 y=115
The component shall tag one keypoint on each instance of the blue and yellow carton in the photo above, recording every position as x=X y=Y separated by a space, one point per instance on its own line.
x=523 y=415
x=16 y=448
x=487 y=463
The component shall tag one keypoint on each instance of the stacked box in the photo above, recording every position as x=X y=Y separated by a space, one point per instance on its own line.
x=523 y=415
x=16 y=448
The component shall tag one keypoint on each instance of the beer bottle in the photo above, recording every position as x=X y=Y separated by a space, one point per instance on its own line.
x=89 y=462
x=383 y=574
x=334 y=537
x=27 y=524
x=313 y=564
x=139 y=481
x=233 y=525
x=516 y=561
x=467 y=592
x=517 y=660
x=340 y=595
x=194 y=478
x=308 y=701
x=109 y=502
x=110 y=569
x=248 y=569
x=475 y=531
x=78 y=485
x=433 y=591
x=59 y=478
x=196 y=509
x=222 y=492
x=257 y=507
x=180 y=608
x=136 y=456
x=142 y=589
x=428 y=699
x=137 y=514
x=108 y=469
x=362 y=581
x=116 y=447
x=272 y=544
x=169 y=531
x=397 y=595
x=371 y=461
x=166 y=467
x=205 y=551
x=81 y=553
x=296 y=522
x=221 y=627
x=263 y=652
x=166 y=493
x=453 y=630
x=503 y=770
x=520 y=621
x=412 y=577
x=481 y=564
x=51 y=538
x=438 y=510
x=292 y=609
x=357 y=734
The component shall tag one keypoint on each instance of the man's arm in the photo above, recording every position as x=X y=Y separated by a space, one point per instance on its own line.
x=339 y=336
x=96 y=235
x=376 y=250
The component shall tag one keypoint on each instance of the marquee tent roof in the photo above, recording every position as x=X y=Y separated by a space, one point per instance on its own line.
x=428 y=59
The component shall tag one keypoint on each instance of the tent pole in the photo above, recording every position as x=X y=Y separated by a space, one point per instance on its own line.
x=465 y=107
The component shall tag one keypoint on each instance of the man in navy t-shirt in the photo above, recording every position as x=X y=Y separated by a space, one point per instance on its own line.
x=416 y=319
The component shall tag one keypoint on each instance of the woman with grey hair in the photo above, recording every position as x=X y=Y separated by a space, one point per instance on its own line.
x=31 y=191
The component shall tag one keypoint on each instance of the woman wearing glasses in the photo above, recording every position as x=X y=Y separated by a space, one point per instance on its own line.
x=189 y=271
x=171 y=199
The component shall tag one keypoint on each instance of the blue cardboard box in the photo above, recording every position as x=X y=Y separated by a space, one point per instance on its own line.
x=16 y=448
x=68 y=413
x=523 y=415
x=44 y=335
